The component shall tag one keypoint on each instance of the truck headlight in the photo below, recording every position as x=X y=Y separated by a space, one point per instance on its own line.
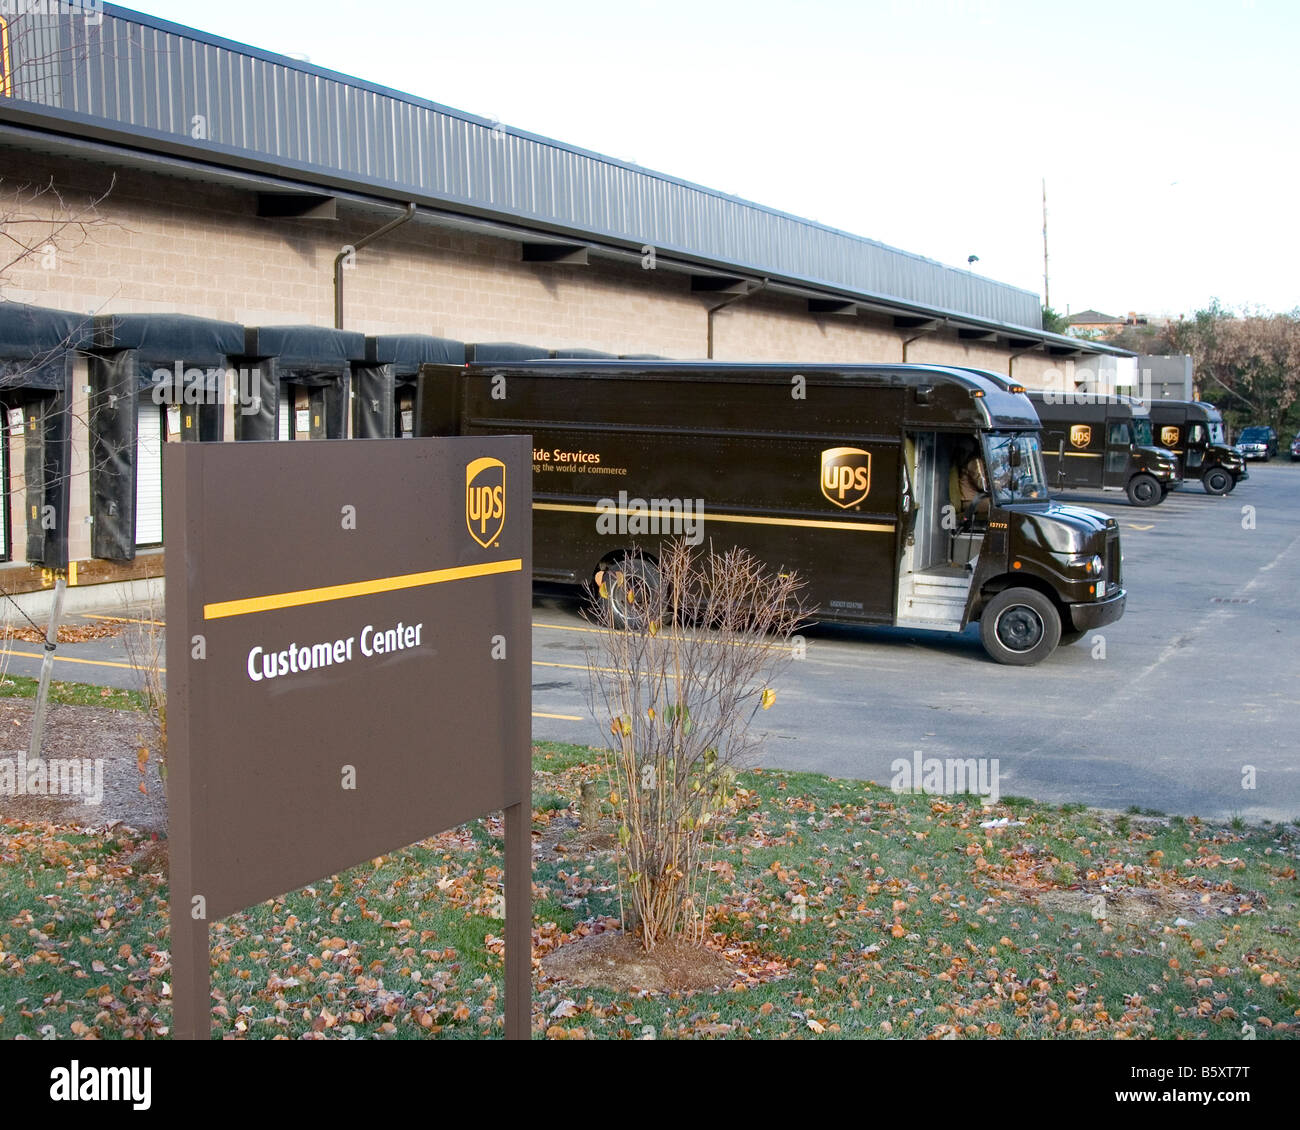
x=1094 y=568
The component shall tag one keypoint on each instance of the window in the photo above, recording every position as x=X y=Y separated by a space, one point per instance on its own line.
x=1015 y=465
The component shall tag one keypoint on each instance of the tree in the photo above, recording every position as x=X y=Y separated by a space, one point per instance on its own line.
x=1247 y=364
x=1053 y=322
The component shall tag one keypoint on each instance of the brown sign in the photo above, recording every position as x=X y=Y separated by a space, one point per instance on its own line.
x=348 y=664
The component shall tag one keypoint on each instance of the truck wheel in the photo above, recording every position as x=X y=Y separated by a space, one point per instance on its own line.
x=629 y=585
x=1217 y=481
x=1144 y=490
x=1020 y=627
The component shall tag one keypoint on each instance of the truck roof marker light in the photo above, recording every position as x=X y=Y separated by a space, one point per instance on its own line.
x=976 y=393
x=1017 y=388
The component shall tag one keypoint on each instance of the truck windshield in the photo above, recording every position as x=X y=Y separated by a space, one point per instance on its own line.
x=1015 y=463
x=1142 y=428
x=1216 y=431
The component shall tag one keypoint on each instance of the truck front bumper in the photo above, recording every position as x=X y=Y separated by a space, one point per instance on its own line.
x=1097 y=613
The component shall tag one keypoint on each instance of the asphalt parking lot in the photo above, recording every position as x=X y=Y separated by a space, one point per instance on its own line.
x=1194 y=693
x=1199 y=680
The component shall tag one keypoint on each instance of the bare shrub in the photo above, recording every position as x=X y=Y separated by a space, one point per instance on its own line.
x=144 y=638
x=685 y=656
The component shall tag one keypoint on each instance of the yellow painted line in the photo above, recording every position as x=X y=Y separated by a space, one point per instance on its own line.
x=609 y=670
x=561 y=717
x=601 y=632
x=251 y=604
x=72 y=659
x=709 y=516
x=120 y=619
x=1135 y=526
x=570 y=628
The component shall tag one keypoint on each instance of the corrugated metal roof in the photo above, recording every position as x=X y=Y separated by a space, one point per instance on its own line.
x=162 y=87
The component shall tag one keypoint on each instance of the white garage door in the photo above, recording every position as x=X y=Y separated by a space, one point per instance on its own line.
x=283 y=412
x=148 y=474
x=4 y=485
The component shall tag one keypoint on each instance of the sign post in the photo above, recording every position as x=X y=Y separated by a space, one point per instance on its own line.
x=348 y=668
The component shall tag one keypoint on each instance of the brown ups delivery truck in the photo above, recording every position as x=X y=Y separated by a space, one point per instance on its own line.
x=1104 y=441
x=1193 y=431
x=903 y=495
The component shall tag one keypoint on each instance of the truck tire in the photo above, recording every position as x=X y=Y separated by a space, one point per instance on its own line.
x=1217 y=481
x=626 y=600
x=1020 y=627
x=1144 y=490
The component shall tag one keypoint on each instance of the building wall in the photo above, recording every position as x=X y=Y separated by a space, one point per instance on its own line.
x=163 y=244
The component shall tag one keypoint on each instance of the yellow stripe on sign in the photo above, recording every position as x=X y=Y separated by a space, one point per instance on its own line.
x=224 y=608
x=709 y=516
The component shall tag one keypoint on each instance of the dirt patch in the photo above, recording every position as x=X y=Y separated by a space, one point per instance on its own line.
x=89 y=733
x=614 y=960
x=564 y=837
x=1131 y=906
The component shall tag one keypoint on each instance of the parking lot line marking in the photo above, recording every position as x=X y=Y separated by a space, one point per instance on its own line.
x=120 y=619
x=72 y=659
x=1135 y=526
x=561 y=717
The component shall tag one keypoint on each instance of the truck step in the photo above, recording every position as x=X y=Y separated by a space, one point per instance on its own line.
x=927 y=607
x=939 y=582
x=932 y=623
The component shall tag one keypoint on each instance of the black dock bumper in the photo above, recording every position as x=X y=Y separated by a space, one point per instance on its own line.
x=1097 y=613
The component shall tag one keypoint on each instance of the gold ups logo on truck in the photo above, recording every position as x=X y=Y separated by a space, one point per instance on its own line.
x=846 y=475
x=485 y=500
x=1169 y=436
x=1080 y=435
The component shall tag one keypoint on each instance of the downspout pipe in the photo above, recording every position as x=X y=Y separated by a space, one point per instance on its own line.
x=724 y=304
x=1011 y=361
x=353 y=248
x=924 y=333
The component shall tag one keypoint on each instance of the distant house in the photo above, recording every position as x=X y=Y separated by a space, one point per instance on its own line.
x=1094 y=324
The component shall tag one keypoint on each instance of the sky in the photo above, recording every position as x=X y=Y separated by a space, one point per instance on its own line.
x=1166 y=132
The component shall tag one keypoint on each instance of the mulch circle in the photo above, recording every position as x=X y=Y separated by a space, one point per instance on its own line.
x=92 y=733
x=615 y=960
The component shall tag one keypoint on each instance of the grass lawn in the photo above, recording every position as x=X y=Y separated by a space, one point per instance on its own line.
x=850 y=912
x=72 y=694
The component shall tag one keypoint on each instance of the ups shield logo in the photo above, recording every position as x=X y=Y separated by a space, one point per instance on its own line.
x=485 y=499
x=1080 y=435
x=846 y=475
x=1168 y=436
